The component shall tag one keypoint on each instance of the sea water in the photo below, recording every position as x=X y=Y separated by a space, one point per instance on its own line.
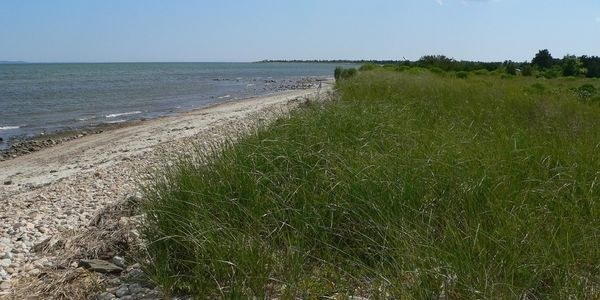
x=37 y=98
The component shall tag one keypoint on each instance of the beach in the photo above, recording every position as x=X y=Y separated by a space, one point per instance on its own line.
x=61 y=188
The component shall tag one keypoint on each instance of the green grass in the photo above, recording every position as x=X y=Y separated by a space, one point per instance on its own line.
x=411 y=185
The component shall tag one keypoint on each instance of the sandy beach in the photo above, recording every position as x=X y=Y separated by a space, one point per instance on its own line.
x=61 y=188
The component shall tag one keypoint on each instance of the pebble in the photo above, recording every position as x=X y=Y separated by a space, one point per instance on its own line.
x=119 y=261
x=122 y=291
x=5 y=285
x=5 y=263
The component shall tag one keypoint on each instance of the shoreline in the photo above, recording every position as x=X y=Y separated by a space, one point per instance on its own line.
x=22 y=145
x=61 y=188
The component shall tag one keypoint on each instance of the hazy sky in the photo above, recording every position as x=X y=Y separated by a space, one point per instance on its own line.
x=250 y=30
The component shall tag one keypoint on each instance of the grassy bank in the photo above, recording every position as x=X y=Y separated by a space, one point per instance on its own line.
x=411 y=185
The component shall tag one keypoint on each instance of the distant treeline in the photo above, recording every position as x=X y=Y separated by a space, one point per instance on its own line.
x=335 y=61
x=542 y=65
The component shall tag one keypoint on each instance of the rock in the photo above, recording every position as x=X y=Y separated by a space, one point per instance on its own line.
x=119 y=261
x=105 y=296
x=5 y=285
x=34 y=272
x=42 y=262
x=136 y=275
x=5 y=262
x=122 y=291
x=100 y=266
x=8 y=182
x=136 y=288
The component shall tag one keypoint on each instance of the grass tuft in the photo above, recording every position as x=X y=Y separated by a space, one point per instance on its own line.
x=410 y=185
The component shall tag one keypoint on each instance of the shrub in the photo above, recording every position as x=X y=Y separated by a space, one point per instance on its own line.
x=402 y=68
x=527 y=70
x=437 y=71
x=338 y=73
x=342 y=73
x=538 y=87
x=571 y=66
x=462 y=75
x=482 y=72
x=510 y=67
x=347 y=73
x=368 y=67
x=586 y=91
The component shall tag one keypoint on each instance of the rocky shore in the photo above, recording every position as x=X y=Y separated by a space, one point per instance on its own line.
x=73 y=201
x=21 y=145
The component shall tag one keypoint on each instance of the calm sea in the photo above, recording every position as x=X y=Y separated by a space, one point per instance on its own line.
x=37 y=98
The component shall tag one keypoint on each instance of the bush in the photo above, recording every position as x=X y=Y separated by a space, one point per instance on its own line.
x=482 y=72
x=586 y=91
x=338 y=73
x=462 y=75
x=402 y=68
x=527 y=70
x=571 y=66
x=437 y=71
x=347 y=73
x=368 y=67
x=342 y=73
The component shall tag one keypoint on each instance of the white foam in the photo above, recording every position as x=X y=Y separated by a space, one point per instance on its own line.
x=226 y=96
x=123 y=114
x=115 y=122
x=9 y=127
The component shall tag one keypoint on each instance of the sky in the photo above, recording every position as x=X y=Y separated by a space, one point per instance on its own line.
x=251 y=30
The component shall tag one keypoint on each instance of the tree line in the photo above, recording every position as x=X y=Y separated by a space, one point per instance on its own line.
x=542 y=64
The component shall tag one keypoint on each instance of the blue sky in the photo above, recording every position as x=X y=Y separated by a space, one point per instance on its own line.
x=250 y=30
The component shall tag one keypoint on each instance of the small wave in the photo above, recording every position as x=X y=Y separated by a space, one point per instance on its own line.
x=117 y=121
x=226 y=96
x=250 y=84
x=9 y=127
x=86 y=119
x=123 y=114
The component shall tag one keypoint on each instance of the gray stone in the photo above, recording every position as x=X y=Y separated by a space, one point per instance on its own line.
x=100 y=266
x=105 y=296
x=119 y=261
x=5 y=285
x=136 y=288
x=122 y=291
x=5 y=262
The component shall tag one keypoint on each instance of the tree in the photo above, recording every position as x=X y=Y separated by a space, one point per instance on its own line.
x=510 y=67
x=543 y=59
x=571 y=65
x=592 y=65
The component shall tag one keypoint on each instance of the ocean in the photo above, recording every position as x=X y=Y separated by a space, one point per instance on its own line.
x=46 y=98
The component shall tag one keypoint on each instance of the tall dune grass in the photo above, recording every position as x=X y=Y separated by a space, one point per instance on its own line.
x=408 y=186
